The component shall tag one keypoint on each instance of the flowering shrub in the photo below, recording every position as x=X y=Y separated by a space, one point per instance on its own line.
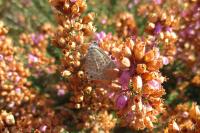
x=99 y=66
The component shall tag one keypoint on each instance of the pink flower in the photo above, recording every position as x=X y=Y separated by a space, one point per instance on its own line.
x=37 y=38
x=17 y=79
x=1 y=57
x=10 y=74
x=158 y=28
x=100 y=36
x=165 y=61
x=136 y=1
x=130 y=5
x=61 y=92
x=154 y=84
x=124 y=79
x=18 y=90
x=185 y=114
x=11 y=105
x=10 y=58
x=32 y=58
x=111 y=95
x=157 y=1
x=103 y=21
x=73 y=1
x=148 y=107
x=121 y=101
x=43 y=128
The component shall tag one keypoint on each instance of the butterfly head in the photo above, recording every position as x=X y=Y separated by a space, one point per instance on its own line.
x=94 y=45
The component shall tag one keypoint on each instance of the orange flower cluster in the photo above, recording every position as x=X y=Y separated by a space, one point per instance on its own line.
x=129 y=90
x=72 y=36
x=35 y=45
x=101 y=121
x=125 y=24
x=162 y=24
x=189 y=38
x=138 y=100
x=13 y=80
x=29 y=110
x=137 y=91
x=38 y=116
x=6 y=119
x=184 y=118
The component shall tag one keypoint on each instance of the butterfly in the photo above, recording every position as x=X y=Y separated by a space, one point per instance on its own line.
x=98 y=64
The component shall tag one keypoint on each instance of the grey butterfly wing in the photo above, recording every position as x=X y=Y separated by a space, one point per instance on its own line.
x=97 y=61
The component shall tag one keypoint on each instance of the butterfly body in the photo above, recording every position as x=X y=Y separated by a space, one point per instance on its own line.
x=98 y=63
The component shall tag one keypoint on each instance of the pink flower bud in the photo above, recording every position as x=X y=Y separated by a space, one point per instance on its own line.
x=10 y=58
x=43 y=128
x=18 y=90
x=32 y=58
x=103 y=21
x=61 y=92
x=124 y=80
x=111 y=94
x=154 y=84
x=121 y=101
x=185 y=114
x=73 y=1
x=165 y=60
x=1 y=57
x=17 y=79
x=157 y=1
x=158 y=28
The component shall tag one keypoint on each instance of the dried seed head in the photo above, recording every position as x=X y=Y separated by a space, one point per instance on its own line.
x=137 y=83
x=125 y=63
x=127 y=52
x=141 y=68
x=139 y=51
x=88 y=18
x=66 y=73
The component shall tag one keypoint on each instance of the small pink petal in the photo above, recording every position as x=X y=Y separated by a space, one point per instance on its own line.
x=43 y=128
x=18 y=90
x=124 y=79
x=10 y=58
x=73 y=1
x=11 y=105
x=158 y=28
x=157 y=1
x=130 y=5
x=103 y=21
x=1 y=57
x=10 y=74
x=185 y=114
x=111 y=95
x=136 y=2
x=61 y=92
x=17 y=79
x=102 y=34
x=154 y=84
x=165 y=61
x=33 y=58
